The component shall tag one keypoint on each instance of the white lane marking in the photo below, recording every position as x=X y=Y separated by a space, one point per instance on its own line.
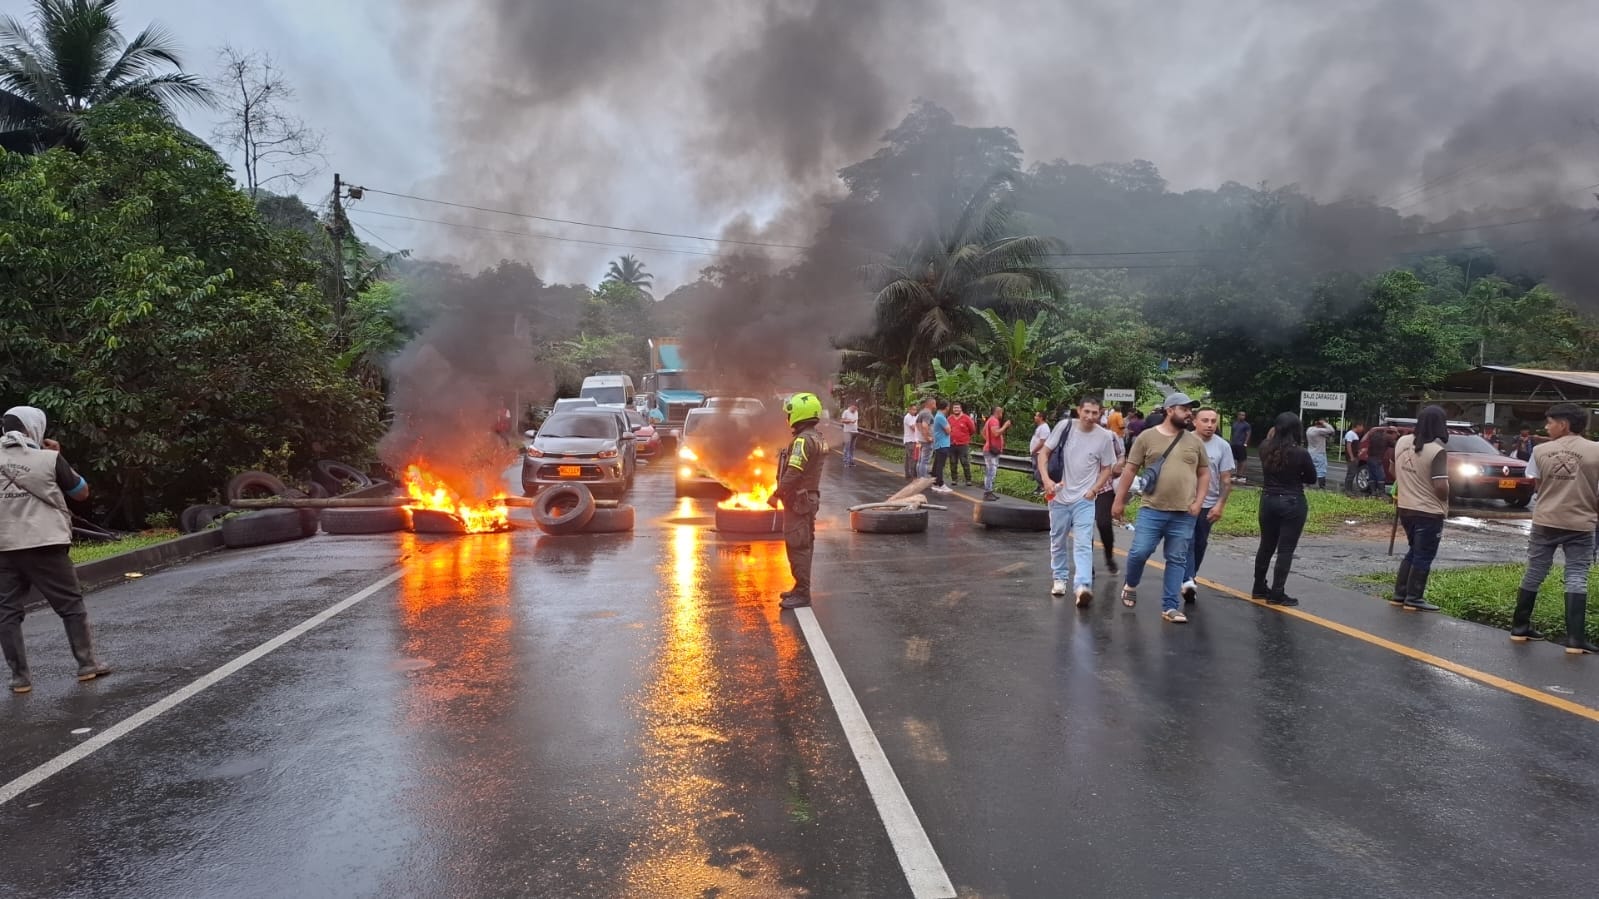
x=917 y=857
x=139 y=719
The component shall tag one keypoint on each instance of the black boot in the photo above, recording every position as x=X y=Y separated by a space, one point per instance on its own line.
x=1577 y=624
x=1416 y=596
x=1521 y=620
x=1110 y=562
x=794 y=600
x=17 y=657
x=1321 y=483
x=1260 y=590
x=83 y=649
x=1401 y=584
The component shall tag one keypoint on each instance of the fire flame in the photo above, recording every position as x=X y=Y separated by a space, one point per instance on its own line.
x=428 y=491
x=752 y=486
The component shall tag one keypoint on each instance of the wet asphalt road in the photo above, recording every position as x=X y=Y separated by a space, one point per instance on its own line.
x=632 y=716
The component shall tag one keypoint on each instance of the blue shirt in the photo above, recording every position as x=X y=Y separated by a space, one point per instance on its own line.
x=940 y=431
x=1241 y=431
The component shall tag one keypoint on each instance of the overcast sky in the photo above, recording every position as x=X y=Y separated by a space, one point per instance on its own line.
x=684 y=115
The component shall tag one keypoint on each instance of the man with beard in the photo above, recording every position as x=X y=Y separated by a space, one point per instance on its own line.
x=1087 y=452
x=1177 y=478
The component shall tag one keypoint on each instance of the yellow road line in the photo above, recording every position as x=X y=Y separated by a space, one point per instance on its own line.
x=1409 y=652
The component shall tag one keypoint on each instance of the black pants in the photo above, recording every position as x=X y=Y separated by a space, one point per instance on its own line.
x=1102 y=520
x=50 y=571
x=1282 y=520
x=962 y=453
x=940 y=458
x=799 y=539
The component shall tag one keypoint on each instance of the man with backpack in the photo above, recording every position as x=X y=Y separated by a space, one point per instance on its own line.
x=1074 y=463
x=1176 y=480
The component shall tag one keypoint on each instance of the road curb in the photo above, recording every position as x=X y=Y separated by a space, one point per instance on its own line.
x=113 y=569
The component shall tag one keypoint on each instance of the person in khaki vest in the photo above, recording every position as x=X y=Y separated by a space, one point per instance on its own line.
x=35 y=535
x=1421 y=491
x=1567 y=469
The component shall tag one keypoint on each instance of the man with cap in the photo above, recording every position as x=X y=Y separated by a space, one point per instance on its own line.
x=1176 y=479
x=35 y=536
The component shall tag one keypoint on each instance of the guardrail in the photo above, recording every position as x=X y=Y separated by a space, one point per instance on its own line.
x=1006 y=461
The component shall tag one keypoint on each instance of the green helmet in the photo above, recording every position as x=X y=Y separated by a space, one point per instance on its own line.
x=802 y=407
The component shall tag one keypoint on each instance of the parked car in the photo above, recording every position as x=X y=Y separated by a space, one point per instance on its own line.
x=588 y=446
x=649 y=442
x=1477 y=470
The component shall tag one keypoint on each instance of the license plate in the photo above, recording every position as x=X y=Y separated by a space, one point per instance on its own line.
x=1508 y=484
x=570 y=471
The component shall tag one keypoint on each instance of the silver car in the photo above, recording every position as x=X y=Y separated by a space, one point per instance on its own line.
x=587 y=446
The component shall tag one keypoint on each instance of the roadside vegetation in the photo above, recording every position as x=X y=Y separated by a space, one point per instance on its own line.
x=1487 y=594
x=91 y=552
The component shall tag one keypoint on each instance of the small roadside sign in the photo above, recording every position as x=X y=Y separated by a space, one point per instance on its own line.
x=1317 y=399
x=1120 y=395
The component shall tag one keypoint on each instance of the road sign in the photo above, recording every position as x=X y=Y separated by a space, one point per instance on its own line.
x=1314 y=399
x=1119 y=395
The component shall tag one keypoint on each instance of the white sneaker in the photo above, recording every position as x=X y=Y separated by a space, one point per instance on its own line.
x=1058 y=588
x=938 y=489
x=1190 y=591
x=1084 y=597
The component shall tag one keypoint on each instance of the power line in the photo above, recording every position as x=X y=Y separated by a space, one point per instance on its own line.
x=376 y=236
x=537 y=236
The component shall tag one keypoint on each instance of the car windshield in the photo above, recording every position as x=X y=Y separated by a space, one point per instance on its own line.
x=635 y=420
x=573 y=402
x=675 y=380
x=693 y=423
x=1471 y=443
x=605 y=395
x=592 y=427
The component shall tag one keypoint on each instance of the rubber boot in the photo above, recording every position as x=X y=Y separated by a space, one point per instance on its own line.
x=1401 y=584
x=1577 y=624
x=1321 y=483
x=1521 y=629
x=1416 y=597
x=83 y=649
x=16 y=657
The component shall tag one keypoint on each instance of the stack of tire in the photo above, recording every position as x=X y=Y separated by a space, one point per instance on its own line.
x=262 y=526
x=567 y=509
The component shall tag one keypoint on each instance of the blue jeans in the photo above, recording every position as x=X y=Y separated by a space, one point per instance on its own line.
x=1196 y=549
x=849 y=447
x=1074 y=522
x=1320 y=461
x=924 y=460
x=1177 y=528
x=990 y=471
x=1375 y=473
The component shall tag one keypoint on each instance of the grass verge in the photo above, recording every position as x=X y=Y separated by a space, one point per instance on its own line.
x=90 y=552
x=1487 y=594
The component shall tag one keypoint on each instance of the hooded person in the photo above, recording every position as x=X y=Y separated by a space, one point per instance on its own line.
x=35 y=536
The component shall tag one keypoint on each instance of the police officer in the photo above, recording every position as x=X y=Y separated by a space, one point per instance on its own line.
x=799 y=487
x=35 y=535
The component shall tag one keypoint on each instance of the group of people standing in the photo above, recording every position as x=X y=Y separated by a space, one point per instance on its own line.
x=938 y=435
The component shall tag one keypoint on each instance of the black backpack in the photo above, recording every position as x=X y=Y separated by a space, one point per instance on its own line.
x=1057 y=457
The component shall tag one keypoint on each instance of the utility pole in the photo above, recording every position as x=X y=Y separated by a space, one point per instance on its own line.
x=336 y=230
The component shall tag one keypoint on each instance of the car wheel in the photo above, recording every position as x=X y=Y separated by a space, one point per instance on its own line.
x=262 y=527
x=564 y=509
x=379 y=520
x=1363 y=479
x=1017 y=517
x=1518 y=502
x=888 y=521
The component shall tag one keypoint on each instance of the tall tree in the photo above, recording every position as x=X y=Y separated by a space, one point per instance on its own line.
x=75 y=58
x=273 y=143
x=629 y=272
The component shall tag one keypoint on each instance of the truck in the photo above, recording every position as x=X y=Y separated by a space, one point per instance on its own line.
x=671 y=387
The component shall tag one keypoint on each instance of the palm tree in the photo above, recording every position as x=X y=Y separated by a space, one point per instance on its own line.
x=629 y=271
x=75 y=58
x=929 y=295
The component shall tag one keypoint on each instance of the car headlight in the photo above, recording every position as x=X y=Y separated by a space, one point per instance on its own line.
x=535 y=452
x=1468 y=470
x=685 y=472
x=606 y=454
x=687 y=454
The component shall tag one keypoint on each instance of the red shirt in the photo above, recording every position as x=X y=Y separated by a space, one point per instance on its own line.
x=961 y=429
x=993 y=439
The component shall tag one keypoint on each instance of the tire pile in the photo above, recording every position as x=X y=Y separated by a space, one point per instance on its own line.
x=568 y=509
x=262 y=527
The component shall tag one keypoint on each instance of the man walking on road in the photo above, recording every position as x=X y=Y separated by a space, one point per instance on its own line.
x=912 y=442
x=1316 y=442
x=1352 y=454
x=1240 y=446
x=993 y=446
x=1087 y=452
x=1040 y=434
x=799 y=488
x=1175 y=461
x=851 y=420
x=961 y=431
x=1567 y=470
x=940 y=447
x=924 y=437
x=35 y=536
x=1219 y=456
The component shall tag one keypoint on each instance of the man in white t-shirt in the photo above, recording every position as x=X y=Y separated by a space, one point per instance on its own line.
x=912 y=439
x=1207 y=422
x=851 y=420
x=1040 y=434
x=1087 y=457
x=1351 y=454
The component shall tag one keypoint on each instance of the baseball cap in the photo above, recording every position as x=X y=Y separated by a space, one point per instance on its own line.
x=1177 y=399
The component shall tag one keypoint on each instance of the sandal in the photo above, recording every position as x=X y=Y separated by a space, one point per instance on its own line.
x=1175 y=616
x=1129 y=597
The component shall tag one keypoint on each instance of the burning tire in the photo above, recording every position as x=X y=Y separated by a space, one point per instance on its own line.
x=564 y=509
x=1010 y=517
x=614 y=520
x=255 y=484
x=261 y=528
x=380 y=520
x=197 y=518
x=889 y=521
x=433 y=521
x=749 y=521
x=335 y=477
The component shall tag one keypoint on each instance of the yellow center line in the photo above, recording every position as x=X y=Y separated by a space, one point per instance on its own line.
x=1409 y=652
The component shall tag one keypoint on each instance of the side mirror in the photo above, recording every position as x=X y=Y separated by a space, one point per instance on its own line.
x=530 y=433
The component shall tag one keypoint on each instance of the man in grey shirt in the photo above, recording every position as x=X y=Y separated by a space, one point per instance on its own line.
x=924 y=436
x=1089 y=453
x=1316 y=442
